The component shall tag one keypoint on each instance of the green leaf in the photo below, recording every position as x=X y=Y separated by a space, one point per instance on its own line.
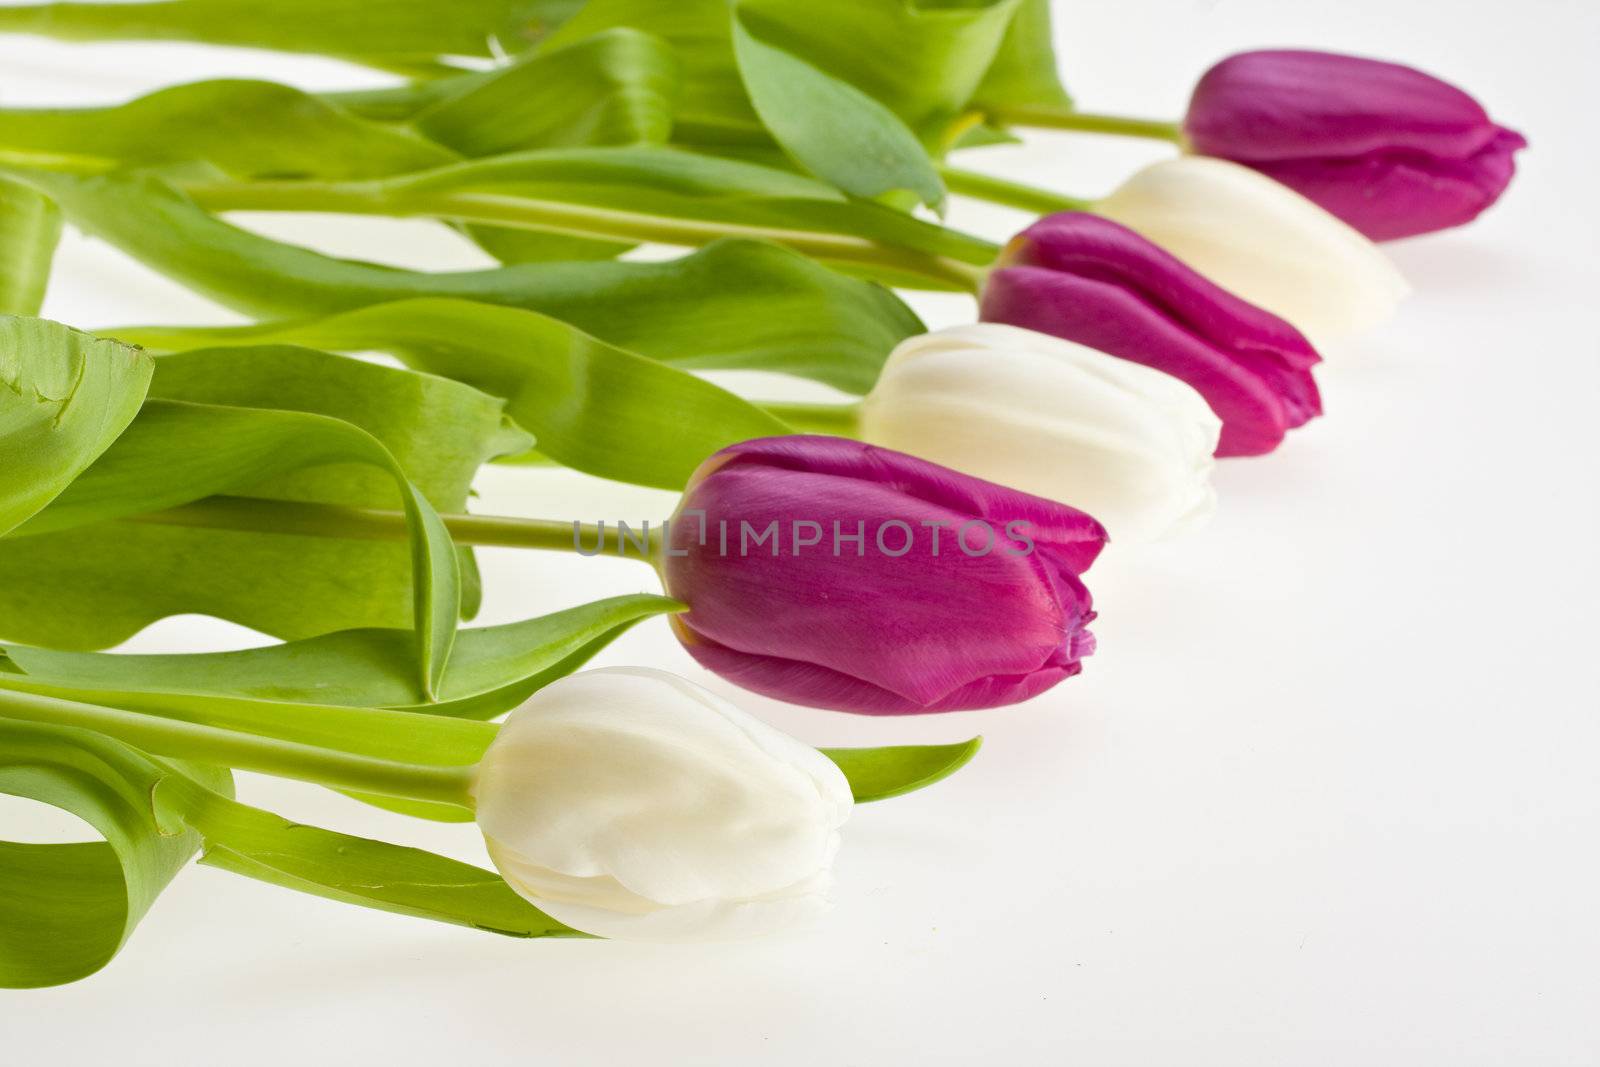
x=881 y=773
x=589 y=405
x=385 y=33
x=922 y=59
x=614 y=88
x=528 y=246
x=30 y=227
x=177 y=452
x=355 y=870
x=69 y=908
x=243 y=128
x=827 y=125
x=640 y=192
x=326 y=691
x=712 y=107
x=64 y=398
x=260 y=129
x=1024 y=70
x=76 y=587
x=670 y=182
x=491 y=671
x=734 y=304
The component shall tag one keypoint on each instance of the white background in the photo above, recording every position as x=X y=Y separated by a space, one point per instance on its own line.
x=1328 y=794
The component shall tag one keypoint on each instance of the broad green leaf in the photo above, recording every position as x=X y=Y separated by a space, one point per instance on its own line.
x=922 y=59
x=491 y=670
x=95 y=585
x=355 y=870
x=712 y=107
x=176 y=452
x=734 y=304
x=64 y=398
x=30 y=227
x=384 y=33
x=589 y=405
x=881 y=773
x=527 y=246
x=1024 y=70
x=830 y=127
x=614 y=88
x=322 y=690
x=244 y=128
x=69 y=908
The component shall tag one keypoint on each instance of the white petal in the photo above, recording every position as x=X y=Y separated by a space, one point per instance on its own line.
x=1128 y=444
x=610 y=911
x=624 y=785
x=1262 y=241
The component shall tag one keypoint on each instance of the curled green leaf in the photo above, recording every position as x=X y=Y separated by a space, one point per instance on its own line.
x=65 y=396
x=71 y=907
x=219 y=420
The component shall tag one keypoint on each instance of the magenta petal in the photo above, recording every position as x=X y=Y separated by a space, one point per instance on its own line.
x=863 y=630
x=1399 y=193
x=1390 y=149
x=1090 y=280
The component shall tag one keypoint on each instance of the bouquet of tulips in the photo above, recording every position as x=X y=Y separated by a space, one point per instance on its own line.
x=917 y=547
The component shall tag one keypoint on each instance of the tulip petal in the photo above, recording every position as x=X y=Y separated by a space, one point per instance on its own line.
x=1126 y=443
x=634 y=790
x=1262 y=242
x=913 y=618
x=1090 y=280
x=1390 y=149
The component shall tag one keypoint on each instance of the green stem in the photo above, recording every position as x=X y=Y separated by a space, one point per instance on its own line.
x=375 y=524
x=579 y=220
x=177 y=739
x=56 y=161
x=1058 y=117
x=1009 y=193
x=840 y=420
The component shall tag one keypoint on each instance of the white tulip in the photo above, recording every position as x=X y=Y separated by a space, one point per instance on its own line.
x=633 y=804
x=1262 y=240
x=1130 y=445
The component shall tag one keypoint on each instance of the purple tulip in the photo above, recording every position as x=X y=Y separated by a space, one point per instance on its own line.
x=829 y=572
x=1388 y=149
x=1090 y=280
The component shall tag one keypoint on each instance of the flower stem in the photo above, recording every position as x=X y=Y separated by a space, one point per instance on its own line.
x=1057 y=117
x=891 y=263
x=1009 y=193
x=178 y=739
x=840 y=420
x=375 y=524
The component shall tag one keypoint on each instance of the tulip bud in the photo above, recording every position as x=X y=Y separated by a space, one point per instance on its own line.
x=828 y=572
x=1387 y=148
x=1129 y=444
x=1261 y=241
x=1090 y=280
x=632 y=804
